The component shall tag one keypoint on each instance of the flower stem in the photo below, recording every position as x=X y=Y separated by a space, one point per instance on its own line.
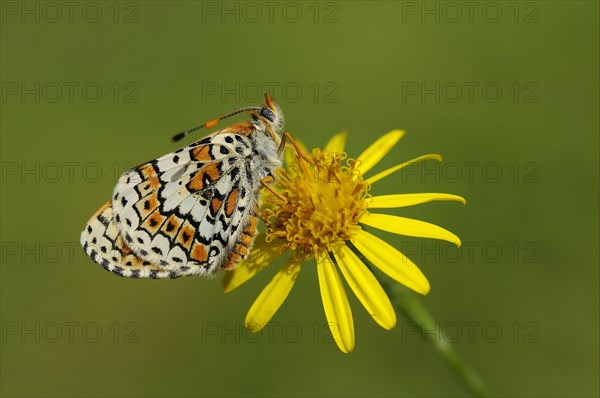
x=412 y=308
x=409 y=305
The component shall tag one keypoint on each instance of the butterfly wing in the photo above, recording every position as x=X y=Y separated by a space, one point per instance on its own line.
x=191 y=208
x=102 y=241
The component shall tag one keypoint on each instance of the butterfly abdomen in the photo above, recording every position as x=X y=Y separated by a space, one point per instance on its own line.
x=242 y=246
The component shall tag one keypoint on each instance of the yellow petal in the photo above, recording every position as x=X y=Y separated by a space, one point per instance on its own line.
x=366 y=287
x=387 y=172
x=410 y=199
x=272 y=296
x=408 y=227
x=390 y=261
x=378 y=150
x=336 y=305
x=337 y=143
x=260 y=256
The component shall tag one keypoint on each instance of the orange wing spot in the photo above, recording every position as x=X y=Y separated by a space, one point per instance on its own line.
x=148 y=185
x=153 y=222
x=185 y=237
x=147 y=170
x=231 y=202
x=147 y=205
x=241 y=128
x=215 y=205
x=212 y=171
x=122 y=246
x=154 y=182
x=132 y=260
x=171 y=226
x=196 y=183
x=202 y=153
x=199 y=253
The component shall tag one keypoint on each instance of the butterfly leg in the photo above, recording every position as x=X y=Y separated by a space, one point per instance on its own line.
x=264 y=181
x=288 y=137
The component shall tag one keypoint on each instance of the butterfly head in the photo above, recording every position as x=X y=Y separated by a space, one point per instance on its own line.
x=271 y=114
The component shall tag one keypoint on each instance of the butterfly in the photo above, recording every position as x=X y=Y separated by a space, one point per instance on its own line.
x=193 y=211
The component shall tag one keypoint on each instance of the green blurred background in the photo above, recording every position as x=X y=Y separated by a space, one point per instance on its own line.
x=93 y=88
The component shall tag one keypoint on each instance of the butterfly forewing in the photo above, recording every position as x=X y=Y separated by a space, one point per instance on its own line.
x=188 y=208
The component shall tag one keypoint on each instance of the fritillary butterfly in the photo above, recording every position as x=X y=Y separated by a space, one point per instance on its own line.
x=192 y=211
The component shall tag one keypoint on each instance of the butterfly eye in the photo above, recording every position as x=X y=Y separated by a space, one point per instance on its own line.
x=267 y=114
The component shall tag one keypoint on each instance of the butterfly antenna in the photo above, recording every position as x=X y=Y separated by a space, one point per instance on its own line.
x=213 y=122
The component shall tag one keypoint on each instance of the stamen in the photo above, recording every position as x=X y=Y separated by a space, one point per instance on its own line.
x=323 y=204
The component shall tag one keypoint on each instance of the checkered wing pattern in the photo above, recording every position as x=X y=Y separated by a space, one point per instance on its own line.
x=102 y=241
x=188 y=209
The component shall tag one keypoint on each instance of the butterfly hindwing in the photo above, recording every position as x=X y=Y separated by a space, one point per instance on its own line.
x=102 y=241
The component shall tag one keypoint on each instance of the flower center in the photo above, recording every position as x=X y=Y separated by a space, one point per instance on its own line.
x=324 y=200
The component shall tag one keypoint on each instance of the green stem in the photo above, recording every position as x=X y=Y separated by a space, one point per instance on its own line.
x=410 y=306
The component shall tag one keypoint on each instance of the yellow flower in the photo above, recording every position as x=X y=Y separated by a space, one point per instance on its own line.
x=320 y=205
